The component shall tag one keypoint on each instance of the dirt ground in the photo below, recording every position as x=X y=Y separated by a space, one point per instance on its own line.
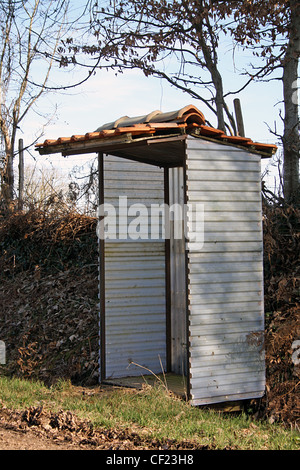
x=39 y=429
x=18 y=440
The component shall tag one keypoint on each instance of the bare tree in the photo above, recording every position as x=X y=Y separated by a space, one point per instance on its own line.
x=31 y=32
x=272 y=31
x=148 y=35
x=187 y=34
x=44 y=188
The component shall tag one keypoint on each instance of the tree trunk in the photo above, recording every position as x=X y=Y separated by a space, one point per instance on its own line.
x=7 y=174
x=291 y=118
x=217 y=81
x=8 y=178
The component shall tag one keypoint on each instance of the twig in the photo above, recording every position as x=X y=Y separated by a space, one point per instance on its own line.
x=151 y=372
x=163 y=372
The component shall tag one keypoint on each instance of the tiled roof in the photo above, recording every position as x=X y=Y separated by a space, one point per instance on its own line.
x=186 y=120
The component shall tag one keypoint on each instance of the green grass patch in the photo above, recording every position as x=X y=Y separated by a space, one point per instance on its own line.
x=152 y=412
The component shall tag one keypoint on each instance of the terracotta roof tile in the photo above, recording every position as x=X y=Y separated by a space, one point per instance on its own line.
x=136 y=129
x=261 y=146
x=210 y=131
x=236 y=139
x=188 y=118
x=77 y=138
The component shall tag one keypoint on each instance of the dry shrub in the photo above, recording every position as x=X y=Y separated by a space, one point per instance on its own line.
x=51 y=240
x=282 y=295
x=49 y=294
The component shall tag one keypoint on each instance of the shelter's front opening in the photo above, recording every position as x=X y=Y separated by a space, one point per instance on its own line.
x=145 y=322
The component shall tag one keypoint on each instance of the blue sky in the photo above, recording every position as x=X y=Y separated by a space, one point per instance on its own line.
x=106 y=97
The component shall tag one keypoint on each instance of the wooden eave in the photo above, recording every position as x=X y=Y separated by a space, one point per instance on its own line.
x=163 y=151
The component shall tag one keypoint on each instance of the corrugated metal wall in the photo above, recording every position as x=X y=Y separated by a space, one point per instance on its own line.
x=225 y=291
x=135 y=302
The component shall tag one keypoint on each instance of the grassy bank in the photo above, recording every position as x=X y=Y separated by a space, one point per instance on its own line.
x=151 y=412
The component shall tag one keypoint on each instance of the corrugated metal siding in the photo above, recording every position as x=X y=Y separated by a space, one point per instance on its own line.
x=225 y=291
x=135 y=305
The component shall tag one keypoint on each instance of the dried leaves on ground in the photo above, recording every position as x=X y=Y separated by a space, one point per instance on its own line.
x=38 y=428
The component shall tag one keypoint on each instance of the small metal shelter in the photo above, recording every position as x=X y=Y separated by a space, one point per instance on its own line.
x=183 y=304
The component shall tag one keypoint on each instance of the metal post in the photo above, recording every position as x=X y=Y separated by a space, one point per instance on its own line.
x=239 y=117
x=21 y=174
x=167 y=273
x=102 y=358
